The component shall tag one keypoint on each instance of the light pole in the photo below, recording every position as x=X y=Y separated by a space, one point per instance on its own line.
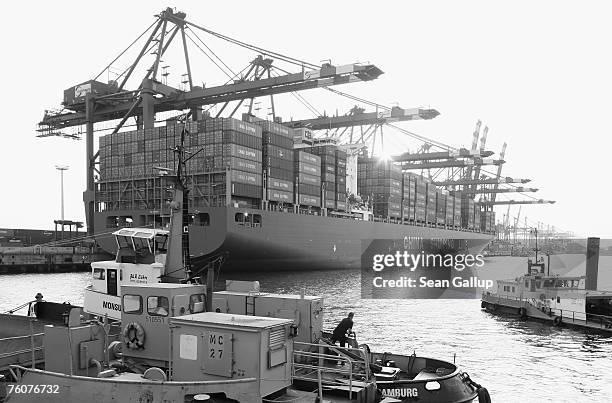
x=62 y=168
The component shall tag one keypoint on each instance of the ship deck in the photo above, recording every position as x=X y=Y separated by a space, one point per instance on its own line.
x=600 y=323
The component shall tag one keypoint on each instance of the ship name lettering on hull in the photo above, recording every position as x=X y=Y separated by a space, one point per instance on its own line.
x=404 y=392
x=111 y=305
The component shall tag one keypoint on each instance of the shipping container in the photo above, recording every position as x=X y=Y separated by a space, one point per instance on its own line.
x=309 y=179
x=246 y=178
x=234 y=150
x=280 y=184
x=308 y=200
x=302 y=167
x=280 y=196
x=307 y=158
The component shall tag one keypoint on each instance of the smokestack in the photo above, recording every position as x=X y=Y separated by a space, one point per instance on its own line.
x=592 y=263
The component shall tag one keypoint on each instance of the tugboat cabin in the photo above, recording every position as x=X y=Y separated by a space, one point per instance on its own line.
x=140 y=259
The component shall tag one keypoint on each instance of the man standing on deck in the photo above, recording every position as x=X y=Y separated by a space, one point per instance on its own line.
x=343 y=327
x=34 y=305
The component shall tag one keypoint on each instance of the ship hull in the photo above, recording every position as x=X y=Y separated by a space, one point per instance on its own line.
x=287 y=241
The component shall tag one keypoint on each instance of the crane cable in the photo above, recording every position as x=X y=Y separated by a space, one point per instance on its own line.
x=211 y=51
x=125 y=50
x=209 y=57
x=287 y=59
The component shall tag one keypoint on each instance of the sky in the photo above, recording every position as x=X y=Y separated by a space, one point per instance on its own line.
x=536 y=73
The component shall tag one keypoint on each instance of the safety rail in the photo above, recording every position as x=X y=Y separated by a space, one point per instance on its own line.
x=303 y=361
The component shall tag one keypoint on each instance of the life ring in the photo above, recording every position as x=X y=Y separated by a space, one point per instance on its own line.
x=556 y=321
x=134 y=336
x=483 y=395
x=522 y=312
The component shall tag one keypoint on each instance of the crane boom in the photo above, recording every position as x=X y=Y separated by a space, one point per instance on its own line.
x=519 y=189
x=441 y=155
x=502 y=202
x=450 y=164
x=490 y=181
x=395 y=114
x=173 y=99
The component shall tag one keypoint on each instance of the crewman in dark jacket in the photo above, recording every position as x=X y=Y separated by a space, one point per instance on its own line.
x=344 y=326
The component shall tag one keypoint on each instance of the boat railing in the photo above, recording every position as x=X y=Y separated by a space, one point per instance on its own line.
x=590 y=319
x=312 y=359
x=565 y=315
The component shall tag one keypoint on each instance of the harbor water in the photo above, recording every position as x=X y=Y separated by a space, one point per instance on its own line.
x=518 y=361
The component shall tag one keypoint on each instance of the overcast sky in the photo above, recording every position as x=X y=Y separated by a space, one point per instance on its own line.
x=536 y=73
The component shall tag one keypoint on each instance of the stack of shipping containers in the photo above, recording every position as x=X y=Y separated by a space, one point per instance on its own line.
x=430 y=202
x=341 y=180
x=487 y=223
x=307 y=178
x=476 y=216
x=216 y=147
x=408 y=197
x=441 y=207
x=467 y=211
x=450 y=210
x=381 y=182
x=235 y=145
x=420 y=210
x=457 y=210
x=277 y=161
x=242 y=163
x=327 y=153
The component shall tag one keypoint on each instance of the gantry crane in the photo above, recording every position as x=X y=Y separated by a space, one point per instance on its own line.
x=93 y=101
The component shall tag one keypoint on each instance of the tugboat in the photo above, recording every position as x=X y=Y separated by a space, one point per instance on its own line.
x=573 y=301
x=167 y=343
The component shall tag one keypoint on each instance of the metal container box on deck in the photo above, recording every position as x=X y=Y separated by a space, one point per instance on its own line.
x=150 y=306
x=219 y=346
x=305 y=311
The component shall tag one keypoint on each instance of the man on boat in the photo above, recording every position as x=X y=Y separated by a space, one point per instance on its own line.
x=341 y=330
x=34 y=305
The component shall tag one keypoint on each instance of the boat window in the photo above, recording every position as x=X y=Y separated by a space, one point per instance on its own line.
x=202 y=219
x=160 y=243
x=98 y=274
x=132 y=304
x=526 y=283
x=538 y=284
x=248 y=220
x=124 y=242
x=158 y=306
x=558 y=299
x=140 y=244
x=197 y=303
x=513 y=289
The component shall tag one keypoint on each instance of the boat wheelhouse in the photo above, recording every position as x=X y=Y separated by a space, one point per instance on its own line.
x=141 y=259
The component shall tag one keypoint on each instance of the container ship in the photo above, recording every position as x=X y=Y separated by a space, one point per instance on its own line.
x=272 y=196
